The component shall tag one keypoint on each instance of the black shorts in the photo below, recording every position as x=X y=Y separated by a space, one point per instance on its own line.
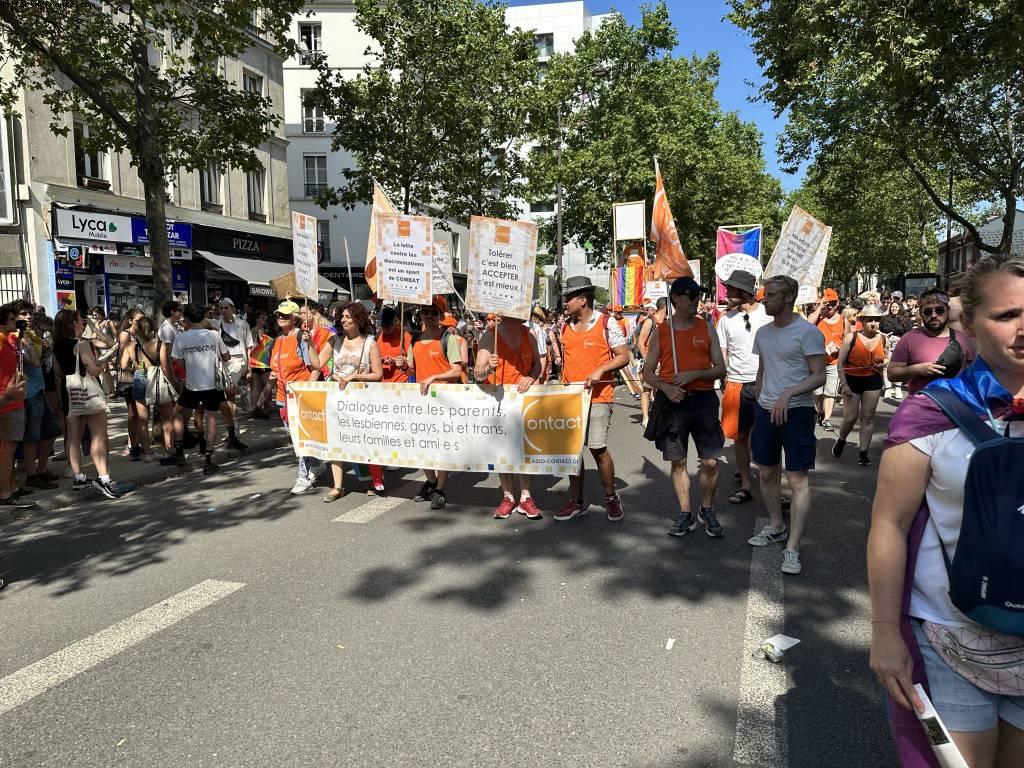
x=697 y=417
x=210 y=399
x=861 y=384
x=795 y=438
x=748 y=406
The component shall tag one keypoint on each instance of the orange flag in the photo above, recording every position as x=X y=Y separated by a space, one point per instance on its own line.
x=381 y=204
x=669 y=261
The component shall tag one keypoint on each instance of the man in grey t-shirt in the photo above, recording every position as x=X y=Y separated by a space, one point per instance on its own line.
x=791 y=367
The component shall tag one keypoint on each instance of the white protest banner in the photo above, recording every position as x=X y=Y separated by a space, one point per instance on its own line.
x=816 y=270
x=405 y=256
x=630 y=220
x=502 y=266
x=655 y=289
x=795 y=252
x=441 y=276
x=455 y=427
x=304 y=252
x=808 y=294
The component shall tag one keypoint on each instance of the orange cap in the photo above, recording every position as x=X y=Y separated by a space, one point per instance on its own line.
x=449 y=321
x=830 y=295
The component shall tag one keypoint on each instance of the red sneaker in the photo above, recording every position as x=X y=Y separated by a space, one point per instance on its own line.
x=505 y=508
x=572 y=509
x=614 y=506
x=529 y=508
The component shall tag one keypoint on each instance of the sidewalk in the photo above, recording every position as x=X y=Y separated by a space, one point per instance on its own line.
x=259 y=435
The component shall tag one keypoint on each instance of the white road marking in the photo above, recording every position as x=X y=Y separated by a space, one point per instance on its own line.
x=28 y=682
x=370 y=510
x=762 y=733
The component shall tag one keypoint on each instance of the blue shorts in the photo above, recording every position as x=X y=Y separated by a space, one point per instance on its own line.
x=40 y=423
x=964 y=707
x=795 y=437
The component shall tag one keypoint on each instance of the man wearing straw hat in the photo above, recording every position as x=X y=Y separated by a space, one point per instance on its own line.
x=593 y=348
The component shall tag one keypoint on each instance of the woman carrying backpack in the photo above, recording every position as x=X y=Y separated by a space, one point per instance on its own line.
x=946 y=548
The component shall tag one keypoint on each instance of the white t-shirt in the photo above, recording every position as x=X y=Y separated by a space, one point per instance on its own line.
x=240 y=331
x=950 y=452
x=201 y=351
x=167 y=332
x=784 y=353
x=541 y=335
x=738 y=343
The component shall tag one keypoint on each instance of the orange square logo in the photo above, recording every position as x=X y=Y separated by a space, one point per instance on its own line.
x=311 y=408
x=808 y=226
x=553 y=425
x=404 y=228
x=503 y=235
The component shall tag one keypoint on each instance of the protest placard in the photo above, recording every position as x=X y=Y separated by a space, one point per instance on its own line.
x=502 y=264
x=441 y=276
x=405 y=256
x=456 y=427
x=795 y=252
x=304 y=251
x=655 y=289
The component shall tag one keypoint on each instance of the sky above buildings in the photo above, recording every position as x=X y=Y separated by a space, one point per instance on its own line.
x=702 y=28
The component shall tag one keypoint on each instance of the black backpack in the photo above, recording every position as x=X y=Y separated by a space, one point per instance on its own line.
x=986 y=574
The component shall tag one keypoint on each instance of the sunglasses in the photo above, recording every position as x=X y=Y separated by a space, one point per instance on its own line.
x=279 y=316
x=937 y=311
x=746 y=321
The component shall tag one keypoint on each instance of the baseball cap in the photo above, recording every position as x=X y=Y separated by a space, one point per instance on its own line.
x=830 y=295
x=897 y=294
x=287 y=308
x=449 y=321
x=226 y=302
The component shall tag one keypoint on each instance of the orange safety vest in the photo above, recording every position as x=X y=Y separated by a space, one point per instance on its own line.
x=693 y=353
x=584 y=352
x=515 y=363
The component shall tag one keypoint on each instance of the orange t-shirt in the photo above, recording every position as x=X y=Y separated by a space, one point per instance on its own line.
x=834 y=333
x=862 y=361
x=693 y=353
x=429 y=359
x=287 y=363
x=389 y=346
x=515 y=363
x=584 y=352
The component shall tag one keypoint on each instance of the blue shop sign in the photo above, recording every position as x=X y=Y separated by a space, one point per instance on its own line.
x=179 y=233
x=179 y=278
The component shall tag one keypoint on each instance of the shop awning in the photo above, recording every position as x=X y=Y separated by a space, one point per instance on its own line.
x=260 y=273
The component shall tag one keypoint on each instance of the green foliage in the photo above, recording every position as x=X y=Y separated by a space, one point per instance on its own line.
x=145 y=75
x=436 y=116
x=621 y=99
x=936 y=84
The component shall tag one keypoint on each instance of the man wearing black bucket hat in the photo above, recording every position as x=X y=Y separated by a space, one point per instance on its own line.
x=593 y=348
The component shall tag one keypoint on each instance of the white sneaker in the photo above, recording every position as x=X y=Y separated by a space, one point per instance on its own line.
x=768 y=535
x=303 y=485
x=643 y=424
x=791 y=561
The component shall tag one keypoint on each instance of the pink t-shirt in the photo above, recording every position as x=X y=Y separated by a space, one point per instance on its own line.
x=918 y=346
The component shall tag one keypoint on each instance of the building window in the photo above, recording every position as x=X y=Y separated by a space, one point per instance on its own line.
x=252 y=83
x=209 y=188
x=312 y=116
x=316 y=174
x=90 y=166
x=310 y=43
x=323 y=239
x=255 y=182
x=542 y=206
x=545 y=45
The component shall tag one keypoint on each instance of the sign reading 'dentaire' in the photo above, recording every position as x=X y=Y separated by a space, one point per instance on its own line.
x=454 y=427
x=405 y=257
x=502 y=264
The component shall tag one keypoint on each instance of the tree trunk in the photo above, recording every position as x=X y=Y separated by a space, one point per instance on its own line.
x=151 y=171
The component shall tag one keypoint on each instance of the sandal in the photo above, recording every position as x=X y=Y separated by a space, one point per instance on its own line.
x=333 y=495
x=741 y=496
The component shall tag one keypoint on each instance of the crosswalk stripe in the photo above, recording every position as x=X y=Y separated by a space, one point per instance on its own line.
x=28 y=682
x=762 y=735
x=370 y=510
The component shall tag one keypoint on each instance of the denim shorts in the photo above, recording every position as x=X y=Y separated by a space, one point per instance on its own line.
x=795 y=438
x=963 y=706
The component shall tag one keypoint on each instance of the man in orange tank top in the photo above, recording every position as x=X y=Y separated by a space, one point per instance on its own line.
x=686 y=404
x=834 y=328
x=593 y=348
x=509 y=356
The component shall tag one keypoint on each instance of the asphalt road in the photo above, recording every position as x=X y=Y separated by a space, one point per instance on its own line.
x=398 y=636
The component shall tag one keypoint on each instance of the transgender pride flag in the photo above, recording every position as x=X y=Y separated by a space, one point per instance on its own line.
x=730 y=241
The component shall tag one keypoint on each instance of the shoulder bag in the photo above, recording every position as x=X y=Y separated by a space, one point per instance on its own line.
x=85 y=395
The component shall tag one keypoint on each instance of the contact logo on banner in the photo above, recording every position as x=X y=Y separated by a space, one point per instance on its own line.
x=455 y=427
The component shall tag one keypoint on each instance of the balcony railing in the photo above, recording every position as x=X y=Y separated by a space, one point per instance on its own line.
x=313 y=125
x=307 y=56
x=315 y=188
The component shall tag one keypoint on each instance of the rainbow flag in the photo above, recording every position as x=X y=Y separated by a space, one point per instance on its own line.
x=629 y=287
x=259 y=356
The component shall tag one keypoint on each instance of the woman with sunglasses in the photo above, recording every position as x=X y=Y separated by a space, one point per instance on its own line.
x=299 y=354
x=861 y=362
x=933 y=350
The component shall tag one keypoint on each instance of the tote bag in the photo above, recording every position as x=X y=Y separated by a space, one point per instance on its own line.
x=85 y=395
x=158 y=389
